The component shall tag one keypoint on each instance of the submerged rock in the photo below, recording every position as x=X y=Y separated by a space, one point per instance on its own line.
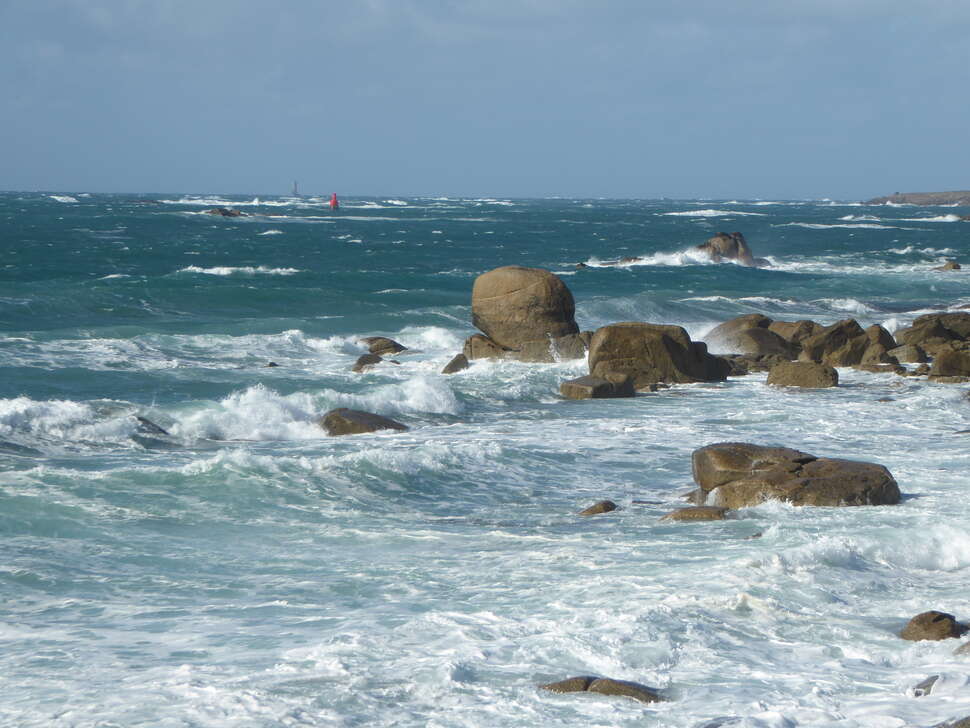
x=603 y=506
x=932 y=625
x=604 y=686
x=696 y=513
x=590 y=387
x=366 y=361
x=382 y=345
x=737 y=475
x=343 y=421
x=457 y=364
x=225 y=212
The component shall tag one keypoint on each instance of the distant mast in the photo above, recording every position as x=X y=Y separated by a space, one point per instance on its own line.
x=296 y=192
x=334 y=205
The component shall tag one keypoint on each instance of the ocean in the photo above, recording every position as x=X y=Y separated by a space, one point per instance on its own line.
x=238 y=567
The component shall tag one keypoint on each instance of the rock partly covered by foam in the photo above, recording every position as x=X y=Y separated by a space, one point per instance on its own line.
x=343 y=421
x=604 y=686
x=730 y=247
x=513 y=305
x=382 y=345
x=225 y=212
x=590 y=387
x=652 y=353
x=737 y=475
x=933 y=625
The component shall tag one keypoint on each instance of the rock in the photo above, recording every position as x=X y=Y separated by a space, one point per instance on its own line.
x=921 y=370
x=482 y=347
x=147 y=427
x=882 y=369
x=963 y=649
x=840 y=345
x=551 y=349
x=459 y=362
x=749 y=335
x=880 y=343
x=272 y=364
x=512 y=305
x=608 y=686
x=224 y=211
x=603 y=506
x=343 y=421
x=807 y=374
x=935 y=331
x=795 y=331
x=366 y=361
x=932 y=625
x=738 y=475
x=696 y=513
x=590 y=387
x=925 y=687
x=728 y=246
x=949 y=265
x=908 y=354
x=741 y=364
x=652 y=353
x=949 y=363
x=382 y=345
x=961 y=723
x=578 y=684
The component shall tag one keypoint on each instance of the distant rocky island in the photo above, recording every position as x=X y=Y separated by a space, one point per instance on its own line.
x=960 y=197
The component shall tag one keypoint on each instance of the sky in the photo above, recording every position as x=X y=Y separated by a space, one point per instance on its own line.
x=846 y=99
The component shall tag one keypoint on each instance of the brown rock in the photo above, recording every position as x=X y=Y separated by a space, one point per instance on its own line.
x=795 y=331
x=882 y=369
x=608 y=686
x=343 y=421
x=949 y=363
x=842 y=344
x=949 y=265
x=224 y=212
x=578 y=684
x=728 y=246
x=932 y=625
x=512 y=305
x=550 y=349
x=482 y=347
x=603 y=506
x=739 y=475
x=807 y=374
x=696 y=513
x=908 y=354
x=963 y=649
x=459 y=362
x=590 y=387
x=652 y=353
x=749 y=335
x=382 y=345
x=366 y=361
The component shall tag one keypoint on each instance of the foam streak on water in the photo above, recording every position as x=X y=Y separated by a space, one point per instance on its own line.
x=182 y=544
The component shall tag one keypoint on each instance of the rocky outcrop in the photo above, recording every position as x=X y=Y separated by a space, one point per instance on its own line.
x=603 y=506
x=457 y=364
x=478 y=346
x=604 y=686
x=933 y=625
x=795 y=331
x=591 y=387
x=749 y=335
x=343 y=421
x=908 y=354
x=808 y=374
x=512 y=305
x=366 y=361
x=696 y=513
x=738 y=475
x=382 y=345
x=936 y=331
x=652 y=353
x=957 y=197
x=950 y=365
x=845 y=344
x=730 y=247
x=225 y=212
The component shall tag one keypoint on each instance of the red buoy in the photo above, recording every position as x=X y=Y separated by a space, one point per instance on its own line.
x=333 y=202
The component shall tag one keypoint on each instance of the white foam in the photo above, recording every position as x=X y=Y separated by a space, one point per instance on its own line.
x=937 y=218
x=63 y=198
x=246 y=270
x=860 y=218
x=711 y=213
x=398 y=203
x=822 y=226
x=271 y=232
x=847 y=304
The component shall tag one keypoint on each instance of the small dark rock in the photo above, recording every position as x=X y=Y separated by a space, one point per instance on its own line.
x=147 y=427
x=366 y=361
x=457 y=364
x=608 y=686
x=696 y=513
x=382 y=345
x=590 y=387
x=603 y=506
x=272 y=364
x=925 y=687
x=578 y=684
x=225 y=212
x=932 y=625
x=343 y=421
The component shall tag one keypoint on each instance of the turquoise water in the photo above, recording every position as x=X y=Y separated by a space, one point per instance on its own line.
x=244 y=569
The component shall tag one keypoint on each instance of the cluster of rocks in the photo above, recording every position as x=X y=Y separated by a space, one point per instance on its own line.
x=225 y=212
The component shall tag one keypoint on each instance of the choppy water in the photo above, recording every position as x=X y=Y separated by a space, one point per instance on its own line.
x=248 y=570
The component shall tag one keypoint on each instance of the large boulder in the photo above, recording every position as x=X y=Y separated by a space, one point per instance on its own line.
x=795 y=331
x=808 y=374
x=512 y=305
x=728 y=247
x=343 y=421
x=935 y=331
x=652 y=353
x=749 y=335
x=932 y=625
x=951 y=364
x=737 y=475
x=845 y=344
